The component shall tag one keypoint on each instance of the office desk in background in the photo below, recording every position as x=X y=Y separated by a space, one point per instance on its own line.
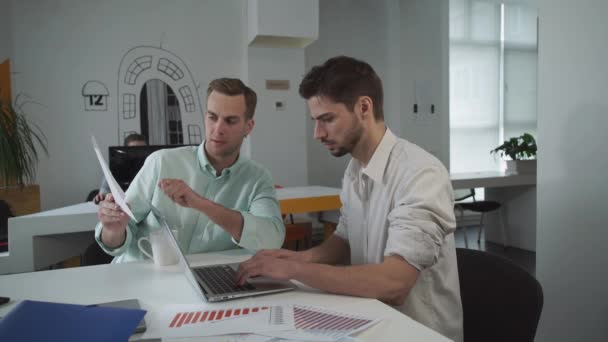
x=517 y=195
x=157 y=288
x=312 y=199
x=39 y=240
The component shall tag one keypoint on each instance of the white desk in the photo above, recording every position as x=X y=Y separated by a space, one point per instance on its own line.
x=156 y=288
x=43 y=239
x=516 y=194
x=39 y=240
x=490 y=179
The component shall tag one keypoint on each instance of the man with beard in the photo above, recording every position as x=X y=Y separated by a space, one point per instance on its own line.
x=394 y=240
x=215 y=198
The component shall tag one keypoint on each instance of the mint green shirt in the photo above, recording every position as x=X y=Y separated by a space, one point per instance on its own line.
x=245 y=187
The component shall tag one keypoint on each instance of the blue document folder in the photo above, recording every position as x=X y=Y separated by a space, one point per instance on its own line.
x=44 y=321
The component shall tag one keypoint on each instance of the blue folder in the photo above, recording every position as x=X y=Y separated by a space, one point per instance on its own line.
x=44 y=321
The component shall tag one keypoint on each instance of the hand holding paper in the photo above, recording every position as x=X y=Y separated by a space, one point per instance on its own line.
x=117 y=193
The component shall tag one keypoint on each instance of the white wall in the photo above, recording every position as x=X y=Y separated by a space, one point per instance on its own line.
x=424 y=60
x=6 y=44
x=294 y=19
x=572 y=264
x=404 y=41
x=60 y=45
x=279 y=136
x=356 y=28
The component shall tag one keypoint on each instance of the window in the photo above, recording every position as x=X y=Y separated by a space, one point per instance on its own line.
x=493 y=56
x=136 y=68
x=128 y=106
x=194 y=134
x=170 y=69
x=188 y=99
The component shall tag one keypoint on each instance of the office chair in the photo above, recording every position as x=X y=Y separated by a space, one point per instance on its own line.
x=94 y=255
x=5 y=213
x=500 y=300
x=91 y=195
x=481 y=207
x=297 y=236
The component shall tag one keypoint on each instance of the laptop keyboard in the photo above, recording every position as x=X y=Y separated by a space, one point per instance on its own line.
x=221 y=279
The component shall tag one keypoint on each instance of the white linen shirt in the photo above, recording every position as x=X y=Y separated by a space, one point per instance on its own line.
x=402 y=204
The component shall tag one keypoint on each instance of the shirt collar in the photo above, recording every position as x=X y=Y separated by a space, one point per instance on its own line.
x=206 y=165
x=377 y=164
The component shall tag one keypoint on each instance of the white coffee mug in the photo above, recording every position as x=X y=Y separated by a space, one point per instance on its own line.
x=163 y=253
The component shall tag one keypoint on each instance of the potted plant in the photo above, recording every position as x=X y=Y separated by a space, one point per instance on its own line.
x=19 y=139
x=522 y=151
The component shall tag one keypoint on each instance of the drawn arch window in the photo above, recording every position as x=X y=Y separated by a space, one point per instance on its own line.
x=136 y=68
x=186 y=94
x=194 y=134
x=128 y=106
x=170 y=69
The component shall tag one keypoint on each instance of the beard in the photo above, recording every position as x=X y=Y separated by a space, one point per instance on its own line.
x=353 y=136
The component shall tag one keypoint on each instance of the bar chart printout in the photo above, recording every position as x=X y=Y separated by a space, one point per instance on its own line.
x=191 y=321
x=317 y=324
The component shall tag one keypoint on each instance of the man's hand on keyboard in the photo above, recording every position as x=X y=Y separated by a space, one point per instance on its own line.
x=266 y=265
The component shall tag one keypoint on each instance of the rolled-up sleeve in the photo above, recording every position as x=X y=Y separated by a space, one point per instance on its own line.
x=342 y=228
x=422 y=217
x=263 y=227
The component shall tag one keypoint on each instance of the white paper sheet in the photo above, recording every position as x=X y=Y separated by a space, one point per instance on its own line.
x=195 y=320
x=226 y=338
x=119 y=195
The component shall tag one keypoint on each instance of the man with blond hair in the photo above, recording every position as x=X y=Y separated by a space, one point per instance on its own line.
x=216 y=198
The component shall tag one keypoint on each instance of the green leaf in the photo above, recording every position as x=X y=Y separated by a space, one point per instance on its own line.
x=20 y=141
x=522 y=147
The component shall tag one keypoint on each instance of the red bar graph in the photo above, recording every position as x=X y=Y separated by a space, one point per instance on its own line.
x=174 y=320
x=328 y=321
x=183 y=318
x=189 y=317
x=195 y=318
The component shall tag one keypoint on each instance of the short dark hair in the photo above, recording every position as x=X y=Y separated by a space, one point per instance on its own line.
x=232 y=87
x=343 y=80
x=134 y=137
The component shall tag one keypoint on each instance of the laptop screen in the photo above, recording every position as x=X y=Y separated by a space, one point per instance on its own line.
x=183 y=262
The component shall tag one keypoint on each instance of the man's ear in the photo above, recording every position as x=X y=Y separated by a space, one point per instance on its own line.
x=365 y=105
x=249 y=126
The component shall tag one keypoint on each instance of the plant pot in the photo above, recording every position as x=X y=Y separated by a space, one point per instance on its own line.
x=23 y=201
x=521 y=166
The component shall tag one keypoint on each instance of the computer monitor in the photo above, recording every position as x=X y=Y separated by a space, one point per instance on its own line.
x=125 y=161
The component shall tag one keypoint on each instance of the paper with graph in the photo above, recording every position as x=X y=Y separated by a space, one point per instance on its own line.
x=117 y=193
x=277 y=322
x=318 y=324
x=195 y=320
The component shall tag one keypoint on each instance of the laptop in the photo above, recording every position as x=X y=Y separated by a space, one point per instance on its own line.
x=215 y=283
